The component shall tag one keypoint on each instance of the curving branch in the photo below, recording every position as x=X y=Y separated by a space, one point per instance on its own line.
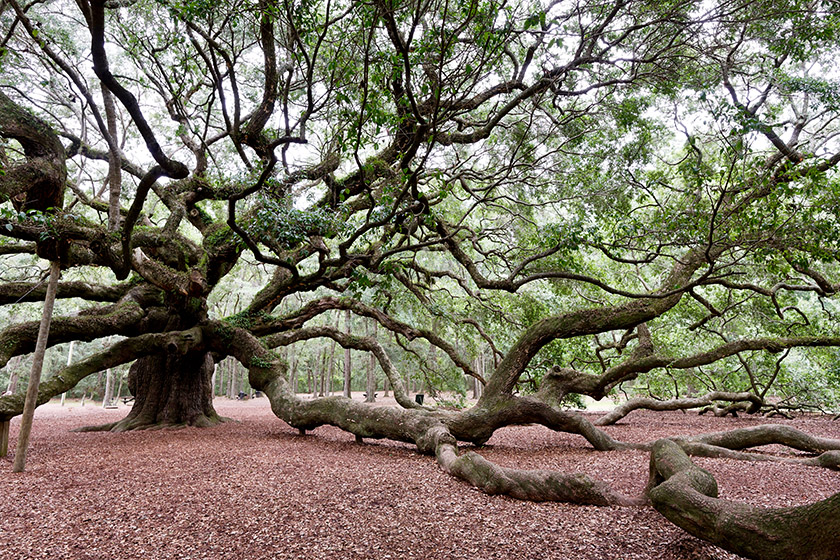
x=37 y=183
x=532 y=485
x=17 y=292
x=347 y=341
x=316 y=307
x=648 y=403
x=171 y=168
x=126 y=317
x=18 y=249
x=687 y=496
x=118 y=353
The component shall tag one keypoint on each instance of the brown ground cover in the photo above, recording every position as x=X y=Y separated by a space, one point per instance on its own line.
x=254 y=489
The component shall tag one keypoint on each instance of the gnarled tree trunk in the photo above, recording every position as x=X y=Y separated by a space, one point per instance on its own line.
x=170 y=390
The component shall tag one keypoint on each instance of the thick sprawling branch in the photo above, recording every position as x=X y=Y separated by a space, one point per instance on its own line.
x=127 y=317
x=119 y=353
x=16 y=292
x=649 y=403
x=37 y=183
x=533 y=485
x=687 y=496
x=767 y=435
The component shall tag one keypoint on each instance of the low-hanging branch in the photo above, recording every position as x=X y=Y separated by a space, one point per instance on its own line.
x=119 y=353
x=688 y=496
x=17 y=292
x=348 y=341
x=649 y=403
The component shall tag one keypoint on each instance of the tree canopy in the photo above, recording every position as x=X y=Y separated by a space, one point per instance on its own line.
x=552 y=199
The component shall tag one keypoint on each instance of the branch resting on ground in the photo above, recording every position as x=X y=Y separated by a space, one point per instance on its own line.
x=648 y=403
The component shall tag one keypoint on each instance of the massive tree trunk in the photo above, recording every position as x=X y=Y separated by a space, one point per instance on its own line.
x=170 y=390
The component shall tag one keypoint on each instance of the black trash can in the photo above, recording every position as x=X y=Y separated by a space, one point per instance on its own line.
x=418 y=398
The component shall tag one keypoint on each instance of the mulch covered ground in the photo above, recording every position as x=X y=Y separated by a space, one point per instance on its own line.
x=255 y=489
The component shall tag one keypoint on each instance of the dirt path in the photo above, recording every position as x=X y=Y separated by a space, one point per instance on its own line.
x=254 y=489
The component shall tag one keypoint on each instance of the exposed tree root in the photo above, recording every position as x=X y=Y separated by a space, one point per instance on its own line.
x=687 y=496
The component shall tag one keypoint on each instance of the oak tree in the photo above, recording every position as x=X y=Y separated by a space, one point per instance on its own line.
x=586 y=194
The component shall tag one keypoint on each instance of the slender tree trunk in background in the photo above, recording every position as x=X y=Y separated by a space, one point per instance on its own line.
x=13 y=365
x=293 y=381
x=431 y=359
x=69 y=360
x=106 y=399
x=386 y=385
x=323 y=361
x=119 y=389
x=4 y=438
x=332 y=355
x=222 y=379
x=331 y=381
x=472 y=381
x=347 y=369
x=213 y=380
x=225 y=388
x=479 y=368
x=237 y=380
x=371 y=372
x=37 y=365
x=231 y=379
x=14 y=374
x=313 y=389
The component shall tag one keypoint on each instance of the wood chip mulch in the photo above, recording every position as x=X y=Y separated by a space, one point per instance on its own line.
x=254 y=489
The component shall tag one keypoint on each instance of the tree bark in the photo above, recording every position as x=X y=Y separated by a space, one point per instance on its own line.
x=170 y=390
x=109 y=388
x=4 y=437
x=620 y=412
x=69 y=361
x=35 y=376
x=687 y=496
x=293 y=367
x=323 y=361
x=114 y=161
